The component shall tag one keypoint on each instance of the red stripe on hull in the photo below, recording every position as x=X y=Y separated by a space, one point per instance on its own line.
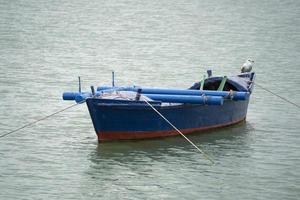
x=118 y=135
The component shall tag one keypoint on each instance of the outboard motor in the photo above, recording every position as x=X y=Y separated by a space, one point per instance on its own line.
x=247 y=66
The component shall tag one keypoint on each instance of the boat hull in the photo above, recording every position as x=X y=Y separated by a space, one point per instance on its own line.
x=119 y=120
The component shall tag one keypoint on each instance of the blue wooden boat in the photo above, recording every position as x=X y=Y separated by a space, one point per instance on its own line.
x=122 y=113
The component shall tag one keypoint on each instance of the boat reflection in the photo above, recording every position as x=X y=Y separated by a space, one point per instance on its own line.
x=216 y=143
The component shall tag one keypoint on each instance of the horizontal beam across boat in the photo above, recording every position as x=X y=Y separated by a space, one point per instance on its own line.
x=205 y=97
x=202 y=100
x=79 y=97
x=234 y=95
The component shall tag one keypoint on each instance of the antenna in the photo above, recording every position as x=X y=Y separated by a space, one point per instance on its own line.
x=79 y=84
x=113 y=78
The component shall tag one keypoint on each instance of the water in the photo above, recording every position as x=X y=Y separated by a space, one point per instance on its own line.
x=45 y=45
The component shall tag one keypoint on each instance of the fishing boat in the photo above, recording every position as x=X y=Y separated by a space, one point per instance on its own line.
x=136 y=112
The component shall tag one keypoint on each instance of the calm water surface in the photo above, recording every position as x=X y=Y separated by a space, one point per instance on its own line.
x=45 y=45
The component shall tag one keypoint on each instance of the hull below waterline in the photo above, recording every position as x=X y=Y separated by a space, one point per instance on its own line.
x=138 y=135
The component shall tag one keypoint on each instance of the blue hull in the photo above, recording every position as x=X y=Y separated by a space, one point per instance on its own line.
x=117 y=120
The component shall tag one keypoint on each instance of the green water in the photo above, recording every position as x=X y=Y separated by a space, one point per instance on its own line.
x=45 y=45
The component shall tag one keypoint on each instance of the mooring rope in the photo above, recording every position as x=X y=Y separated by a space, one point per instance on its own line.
x=41 y=119
x=201 y=151
x=288 y=101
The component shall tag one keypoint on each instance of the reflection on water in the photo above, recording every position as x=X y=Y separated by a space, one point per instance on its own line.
x=216 y=143
x=147 y=165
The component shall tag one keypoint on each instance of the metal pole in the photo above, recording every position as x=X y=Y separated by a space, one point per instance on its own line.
x=113 y=78
x=79 y=84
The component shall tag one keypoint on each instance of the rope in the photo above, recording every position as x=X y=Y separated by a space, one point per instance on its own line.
x=277 y=95
x=41 y=119
x=201 y=151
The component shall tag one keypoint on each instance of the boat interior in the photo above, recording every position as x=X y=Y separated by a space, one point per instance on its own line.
x=214 y=84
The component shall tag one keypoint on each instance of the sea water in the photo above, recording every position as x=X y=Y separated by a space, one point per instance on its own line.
x=46 y=45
